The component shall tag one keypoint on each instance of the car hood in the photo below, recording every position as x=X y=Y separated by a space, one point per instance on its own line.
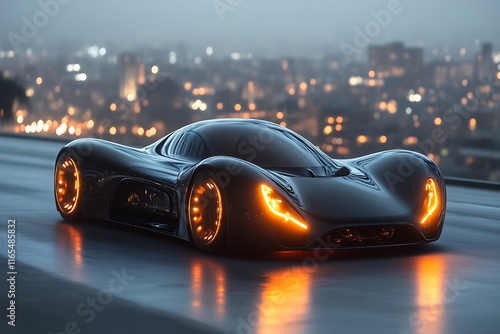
x=353 y=197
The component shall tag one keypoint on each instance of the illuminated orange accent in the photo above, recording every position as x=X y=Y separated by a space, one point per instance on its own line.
x=274 y=205
x=67 y=185
x=431 y=200
x=206 y=214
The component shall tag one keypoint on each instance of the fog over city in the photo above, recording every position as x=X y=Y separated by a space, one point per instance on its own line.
x=267 y=28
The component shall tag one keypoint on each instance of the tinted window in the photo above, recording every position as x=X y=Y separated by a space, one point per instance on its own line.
x=265 y=147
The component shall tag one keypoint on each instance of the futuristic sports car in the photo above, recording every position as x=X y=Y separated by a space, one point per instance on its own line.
x=242 y=184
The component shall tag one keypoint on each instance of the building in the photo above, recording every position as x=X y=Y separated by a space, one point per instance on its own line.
x=131 y=75
x=395 y=60
x=484 y=62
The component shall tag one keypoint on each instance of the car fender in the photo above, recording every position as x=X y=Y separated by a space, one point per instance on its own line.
x=240 y=181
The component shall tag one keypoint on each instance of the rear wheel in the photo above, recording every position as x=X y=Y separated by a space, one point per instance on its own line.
x=206 y=212
x=67 y=187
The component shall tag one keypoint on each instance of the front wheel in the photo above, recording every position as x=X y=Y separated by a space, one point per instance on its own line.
x=206 y=212
x=67 y=187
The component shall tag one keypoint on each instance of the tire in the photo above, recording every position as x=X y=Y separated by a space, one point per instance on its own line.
x=206 y=213
x=68 y=187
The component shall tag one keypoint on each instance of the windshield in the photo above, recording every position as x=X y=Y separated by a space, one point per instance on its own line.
x=267 y=147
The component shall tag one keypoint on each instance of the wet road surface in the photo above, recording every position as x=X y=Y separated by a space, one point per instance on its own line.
x=95 y=277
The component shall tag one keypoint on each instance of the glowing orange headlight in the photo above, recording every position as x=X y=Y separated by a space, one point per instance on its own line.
x=431 y=201
x=276 y=204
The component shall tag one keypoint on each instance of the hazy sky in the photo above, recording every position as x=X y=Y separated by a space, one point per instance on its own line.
x=274 y=26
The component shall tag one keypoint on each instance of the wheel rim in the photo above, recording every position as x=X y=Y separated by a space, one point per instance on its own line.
x=67 y=186
x=205 y=210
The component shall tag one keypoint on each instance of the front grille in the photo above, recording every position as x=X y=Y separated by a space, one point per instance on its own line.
x=369 y=236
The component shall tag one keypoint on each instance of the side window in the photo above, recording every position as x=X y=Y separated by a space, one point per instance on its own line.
x=166 y=144
x=187 y=145
x=174 y=145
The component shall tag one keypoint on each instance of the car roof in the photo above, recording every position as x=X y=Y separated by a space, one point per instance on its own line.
x=261 y=142
x=236 y=124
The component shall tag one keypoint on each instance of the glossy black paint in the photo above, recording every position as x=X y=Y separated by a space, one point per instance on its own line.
x=372 y=195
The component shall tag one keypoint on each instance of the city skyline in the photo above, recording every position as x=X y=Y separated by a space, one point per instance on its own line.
x=395 y=100
x=295 y=28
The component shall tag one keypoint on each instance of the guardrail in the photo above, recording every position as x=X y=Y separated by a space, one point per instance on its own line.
x=36 y=137
x=455 y=181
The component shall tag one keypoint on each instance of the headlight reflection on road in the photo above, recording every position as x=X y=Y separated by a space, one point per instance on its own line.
x=430 y=295
x=284 y=297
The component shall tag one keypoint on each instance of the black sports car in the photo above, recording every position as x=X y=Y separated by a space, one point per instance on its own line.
x=240 y=184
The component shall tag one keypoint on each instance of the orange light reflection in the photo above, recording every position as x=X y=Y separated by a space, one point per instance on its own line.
x=221 y=293
x=208 y=288
x=70 y=240
x=430 y=296
x=196 y=274
x=76 y=242
x=285 y=302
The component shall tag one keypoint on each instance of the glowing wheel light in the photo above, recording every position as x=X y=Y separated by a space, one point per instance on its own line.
x=67 y=185
x=205 y=209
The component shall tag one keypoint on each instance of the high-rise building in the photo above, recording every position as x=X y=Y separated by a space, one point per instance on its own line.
x=130 y=76
x=395 y=60
x=484 y=62
x=413 y=61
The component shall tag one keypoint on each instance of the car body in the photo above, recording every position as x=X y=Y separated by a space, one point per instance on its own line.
x=248 y=185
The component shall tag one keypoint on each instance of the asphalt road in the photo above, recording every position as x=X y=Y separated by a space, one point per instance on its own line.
x=95 y=277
